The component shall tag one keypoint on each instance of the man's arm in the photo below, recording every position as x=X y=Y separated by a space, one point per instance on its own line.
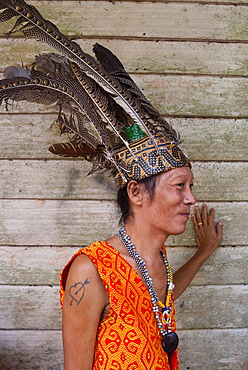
x=84 y=302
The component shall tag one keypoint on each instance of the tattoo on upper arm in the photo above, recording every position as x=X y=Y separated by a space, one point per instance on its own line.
x=77 y=291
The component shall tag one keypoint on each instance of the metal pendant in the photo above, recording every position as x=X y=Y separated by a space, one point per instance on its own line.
x=170 y=342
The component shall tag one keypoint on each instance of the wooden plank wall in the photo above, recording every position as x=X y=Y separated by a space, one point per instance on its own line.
x=190 y=59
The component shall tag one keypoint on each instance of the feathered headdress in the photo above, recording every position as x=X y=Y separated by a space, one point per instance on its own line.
x=109 y=120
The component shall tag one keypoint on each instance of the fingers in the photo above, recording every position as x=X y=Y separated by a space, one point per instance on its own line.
x=194 y=220
x=207 y=235
x=219 y=230
x=197 y=216
x=202 y=216
x=211 y=215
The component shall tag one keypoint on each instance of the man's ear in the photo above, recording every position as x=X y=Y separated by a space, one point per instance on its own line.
x=135 y=192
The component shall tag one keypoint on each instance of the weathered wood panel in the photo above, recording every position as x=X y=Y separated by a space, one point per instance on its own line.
x=217 y=181
x=198 y=349
x=68 y=180
x=42 y=265
x=59 y=221
x=33 y=265
x=181 y=95
x=31 y=349
x=212 y=307
x=226 y=138
x=27 y=307
x=167 y=56
x=226 y=266
x=214 y=139
x=211 y=349
x=135 y=19
x=28 y=135
x=67 y=222
x=197 y=96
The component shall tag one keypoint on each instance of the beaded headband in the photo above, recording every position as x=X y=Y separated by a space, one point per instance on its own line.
x=106 y=116
x=148 y=161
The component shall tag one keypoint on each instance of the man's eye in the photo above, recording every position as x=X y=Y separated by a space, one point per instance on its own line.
x=181 y=185
x=191 y=186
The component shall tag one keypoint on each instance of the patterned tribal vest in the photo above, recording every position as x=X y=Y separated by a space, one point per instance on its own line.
x=128 y=338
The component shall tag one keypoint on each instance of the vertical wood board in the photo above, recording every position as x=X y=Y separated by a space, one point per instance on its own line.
x=24 y=307
x=146 y=20
x=198 y=349
x=60 y=222
x=67 y=179
x=205 y=139
x=178 y=95
x=42 y=265
x=146 y=56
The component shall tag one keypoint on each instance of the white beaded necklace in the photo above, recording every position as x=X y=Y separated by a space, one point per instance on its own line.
x=169 y=338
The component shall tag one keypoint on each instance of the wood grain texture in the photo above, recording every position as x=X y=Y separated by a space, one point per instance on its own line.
x=226 y=266
x=68 y=179
x=146 y=20
x=211 y=307
x=205 y=308
x=42 y=265
x=31 y=349
x=210 y=349
x=60 y=222
x=226 y=138
x=196 y=95
x=206 y=58
x=43 y=349
x=214 y=139
x=180 y=96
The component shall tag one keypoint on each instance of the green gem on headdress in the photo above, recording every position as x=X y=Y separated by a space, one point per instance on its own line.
x=134 y=133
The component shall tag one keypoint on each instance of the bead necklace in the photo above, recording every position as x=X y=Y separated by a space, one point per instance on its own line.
x=169 y=338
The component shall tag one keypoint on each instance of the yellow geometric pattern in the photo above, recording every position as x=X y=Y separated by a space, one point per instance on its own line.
x=145 y=159
x=128 y=338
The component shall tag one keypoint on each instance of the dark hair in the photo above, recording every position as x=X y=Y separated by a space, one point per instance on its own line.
x=123 y=200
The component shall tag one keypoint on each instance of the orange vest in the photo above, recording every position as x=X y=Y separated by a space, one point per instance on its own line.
x=128 y=338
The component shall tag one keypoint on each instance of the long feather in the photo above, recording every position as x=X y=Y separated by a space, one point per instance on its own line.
x=54 y=64
x=96 y=97
x=72 y=149
x=41 y=89
x=114 y=66
x=33 y=25
x=98 y=107
x=58 y=76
